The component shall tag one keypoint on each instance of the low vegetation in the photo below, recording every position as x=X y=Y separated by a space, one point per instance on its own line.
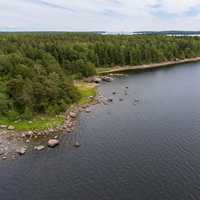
x=38 y=123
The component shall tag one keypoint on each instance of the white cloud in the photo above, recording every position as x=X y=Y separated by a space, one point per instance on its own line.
x=179 y=6
x=99 y=14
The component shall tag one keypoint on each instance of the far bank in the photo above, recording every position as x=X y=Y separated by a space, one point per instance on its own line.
x=121 y=69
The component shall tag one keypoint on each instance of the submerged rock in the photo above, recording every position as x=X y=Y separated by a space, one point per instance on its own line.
x=136 y=100
x=105 y=103
x=77 y=144
x=53 y=142
x=110 y=99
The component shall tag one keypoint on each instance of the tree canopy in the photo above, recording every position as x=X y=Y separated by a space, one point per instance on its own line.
x=37 y=69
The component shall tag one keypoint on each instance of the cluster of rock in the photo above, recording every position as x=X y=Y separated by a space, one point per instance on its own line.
x=51 y=143
x=67 y=128
x=99 y=79
x=106 y=100
x=20 y=140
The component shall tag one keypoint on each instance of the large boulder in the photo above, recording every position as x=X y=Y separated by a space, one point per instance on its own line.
x=53 y=142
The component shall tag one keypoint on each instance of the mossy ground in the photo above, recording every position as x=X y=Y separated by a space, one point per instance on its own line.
x=45 y=122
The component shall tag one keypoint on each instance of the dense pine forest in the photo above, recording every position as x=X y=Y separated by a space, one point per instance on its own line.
x=37 y=69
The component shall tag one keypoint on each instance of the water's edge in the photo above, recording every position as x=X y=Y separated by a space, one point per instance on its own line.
x=119 y=69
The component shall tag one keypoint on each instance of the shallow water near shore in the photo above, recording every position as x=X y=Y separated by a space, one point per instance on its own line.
x=144 y=150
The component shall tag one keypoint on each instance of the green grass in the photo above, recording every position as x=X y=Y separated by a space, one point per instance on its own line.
x=44 y=122
x=86 y=91
x=38 y=123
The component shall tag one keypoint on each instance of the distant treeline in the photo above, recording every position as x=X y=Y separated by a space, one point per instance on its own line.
x=37 y=69
x=181 y=33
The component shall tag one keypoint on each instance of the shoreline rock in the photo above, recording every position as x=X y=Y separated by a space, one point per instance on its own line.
x=53 y=143
x=107 y=79
x=72 y=114
x=21 y=151
x=39 y=148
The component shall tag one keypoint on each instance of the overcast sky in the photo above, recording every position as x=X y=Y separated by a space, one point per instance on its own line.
x=94 y=15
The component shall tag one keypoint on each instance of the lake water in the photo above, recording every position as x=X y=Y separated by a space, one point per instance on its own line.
x=147 y=151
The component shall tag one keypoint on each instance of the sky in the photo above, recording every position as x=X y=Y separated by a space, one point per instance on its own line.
x=99 y=15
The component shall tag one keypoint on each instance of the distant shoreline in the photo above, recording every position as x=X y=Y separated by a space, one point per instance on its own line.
x=148 y=66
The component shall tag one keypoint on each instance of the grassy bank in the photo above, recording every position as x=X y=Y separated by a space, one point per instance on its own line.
x=38 y=123
x=86 y=90
x=44 y=122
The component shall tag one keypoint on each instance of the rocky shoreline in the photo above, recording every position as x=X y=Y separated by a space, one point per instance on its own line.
x=14 y=144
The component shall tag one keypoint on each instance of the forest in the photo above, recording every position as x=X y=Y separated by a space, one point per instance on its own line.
x=37 y=69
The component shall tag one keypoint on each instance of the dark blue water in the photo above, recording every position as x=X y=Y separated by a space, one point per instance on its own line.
x=148 y=151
